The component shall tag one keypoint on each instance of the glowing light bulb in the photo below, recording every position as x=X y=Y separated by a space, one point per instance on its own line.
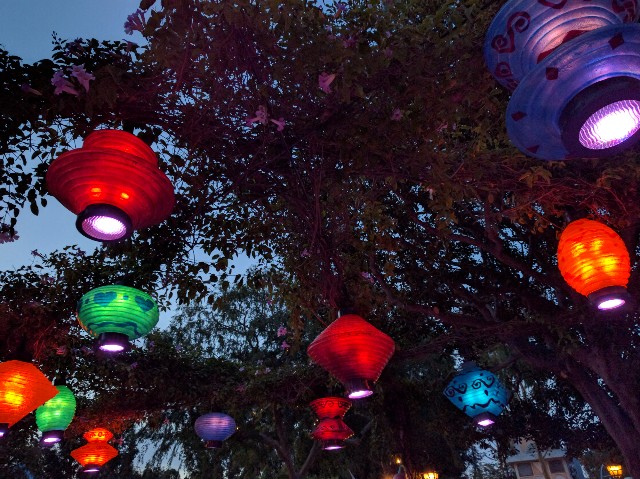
x=611 y=125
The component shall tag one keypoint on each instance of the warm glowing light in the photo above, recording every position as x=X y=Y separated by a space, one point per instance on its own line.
x=611 y=125
x=430 y=475
x=595 y=262
x=124 y=196
x=615 y=470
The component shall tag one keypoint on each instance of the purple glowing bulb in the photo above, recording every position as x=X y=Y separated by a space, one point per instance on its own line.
x=611 y=125
x=485 y=422
x=359 y=394
x=51 y=439
x=333 y=447
x=104 y=228
x=611 y=303
x=112 y=348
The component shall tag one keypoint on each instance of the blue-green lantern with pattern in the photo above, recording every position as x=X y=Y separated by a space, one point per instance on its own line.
x=477 y=393
x=117 y=314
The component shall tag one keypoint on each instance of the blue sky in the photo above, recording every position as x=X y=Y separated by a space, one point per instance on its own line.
x=26 y=28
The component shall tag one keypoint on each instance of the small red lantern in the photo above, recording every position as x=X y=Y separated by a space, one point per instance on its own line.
x=330 y=407
x=23 y=388
x=595 y=262
x=354 y=352
x=113 y=184
x=331 y=429
x=97 y=453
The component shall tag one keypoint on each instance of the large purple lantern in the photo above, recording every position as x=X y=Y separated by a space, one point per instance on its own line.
x=574 y=69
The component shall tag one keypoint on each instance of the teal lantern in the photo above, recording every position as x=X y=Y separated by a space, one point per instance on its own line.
x=54 y=416
x=117 y=314
x=478 y=394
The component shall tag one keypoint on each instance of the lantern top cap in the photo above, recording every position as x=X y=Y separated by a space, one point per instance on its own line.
x=330 y=407
x=121 y=141
x=98 y=434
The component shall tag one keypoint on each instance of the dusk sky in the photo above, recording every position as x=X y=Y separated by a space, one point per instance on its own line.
x=26 y=28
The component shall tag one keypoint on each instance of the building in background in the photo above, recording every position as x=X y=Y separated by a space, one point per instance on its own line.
x=529 y=463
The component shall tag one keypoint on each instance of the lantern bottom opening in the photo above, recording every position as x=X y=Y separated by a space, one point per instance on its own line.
x=49 y=438
x=113 y=342
x=212 y=444
x=103 y=222
x=4 y=428
x=485 y=419
x=610 y=298
x=90 y=469
x=359 y=388
x=332 y=444
x=603 y=119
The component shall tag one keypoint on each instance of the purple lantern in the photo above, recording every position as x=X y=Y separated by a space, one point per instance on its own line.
x=574 y=69
x=214 y=428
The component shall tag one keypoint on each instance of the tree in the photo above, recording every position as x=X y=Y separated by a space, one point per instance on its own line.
x=359 y=154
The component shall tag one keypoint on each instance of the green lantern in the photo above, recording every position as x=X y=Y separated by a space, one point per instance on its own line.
x=54 y=416
x=116 y=314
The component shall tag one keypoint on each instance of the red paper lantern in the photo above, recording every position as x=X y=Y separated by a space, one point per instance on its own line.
x=332 y=433
x=331 y=430
x=23 y=388
x=594 y=260
x=330 y=407
x=94 y=455
x=113 y=184
x=354 y=352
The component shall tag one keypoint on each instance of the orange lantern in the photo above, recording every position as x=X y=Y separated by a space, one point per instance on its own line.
x=113 y=184
x=97 y=453
x=595 y=262
x=94 y=455
x=23 y=388
x=430 y=475
x=99 y=434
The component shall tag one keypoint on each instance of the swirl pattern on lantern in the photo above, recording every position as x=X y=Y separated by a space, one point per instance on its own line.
x=475 y=391
x=332 y=429
x=115 y=168
x=117 y=309
x=330 y=407
x=524 y=32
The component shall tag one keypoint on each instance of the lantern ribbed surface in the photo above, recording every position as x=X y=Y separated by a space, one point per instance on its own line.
x=565 y=61
x=475 y=391
x=350 y=348
x=94 y=453
x=117 y=309
x=332 y=429
x=98 y=434
x=57 y=413
x=23 y=388
x=591 y=256
x=215 y=426
x=115 y=168
x=330 y=407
